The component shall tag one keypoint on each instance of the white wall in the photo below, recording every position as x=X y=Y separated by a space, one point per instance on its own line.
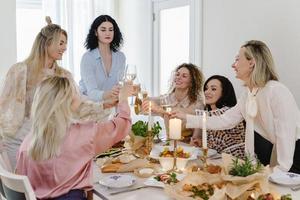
x=135 y=20
x=228 y=24
x=8 y=45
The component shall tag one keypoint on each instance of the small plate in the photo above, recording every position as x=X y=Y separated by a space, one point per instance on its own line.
x=285 y=178
x=118 y=181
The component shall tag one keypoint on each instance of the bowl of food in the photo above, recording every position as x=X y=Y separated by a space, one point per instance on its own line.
x=165 y=155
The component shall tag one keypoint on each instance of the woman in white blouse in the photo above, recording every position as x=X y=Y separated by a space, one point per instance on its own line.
x=267 y=106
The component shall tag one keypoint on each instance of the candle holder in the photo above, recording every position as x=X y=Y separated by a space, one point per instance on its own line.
x=203 y=158
x=174 y=168
x=149 y=142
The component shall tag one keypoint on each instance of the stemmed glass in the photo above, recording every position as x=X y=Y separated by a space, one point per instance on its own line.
x=130 y=72
x=130 y=75
x=121 y=77
x=165 y=102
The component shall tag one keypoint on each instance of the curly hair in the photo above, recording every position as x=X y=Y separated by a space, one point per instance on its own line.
x=197 y=79
x=228 y=97
x=91 y=41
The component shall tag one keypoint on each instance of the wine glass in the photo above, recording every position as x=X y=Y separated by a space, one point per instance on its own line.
x=121 y=77
x=130 y=76
x=165 y=102
x=130 y=72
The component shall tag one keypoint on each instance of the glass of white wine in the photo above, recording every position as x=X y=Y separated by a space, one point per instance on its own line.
x=130 y=76
x=165 y=103
x=121 y=77
x=130 y=72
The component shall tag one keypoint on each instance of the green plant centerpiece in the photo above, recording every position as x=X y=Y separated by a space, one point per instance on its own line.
x=141 y=139
x=140 y=128
x=246 y=168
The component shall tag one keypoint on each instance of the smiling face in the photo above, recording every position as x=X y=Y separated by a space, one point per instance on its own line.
x=182 y=78
x=213 y=92
x=57 y=48
x=105 y=32
x=242 y=66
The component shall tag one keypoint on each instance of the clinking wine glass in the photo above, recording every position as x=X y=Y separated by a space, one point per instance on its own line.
x=121 y=77
x=141 y=95
x=130 y=75
x=165 y=102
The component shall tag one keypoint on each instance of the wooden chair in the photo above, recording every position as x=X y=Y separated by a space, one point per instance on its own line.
x=15 y=187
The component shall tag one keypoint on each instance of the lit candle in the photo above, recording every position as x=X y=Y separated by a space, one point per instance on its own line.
x=149 y=118
x=204 y=134
x=175 y=129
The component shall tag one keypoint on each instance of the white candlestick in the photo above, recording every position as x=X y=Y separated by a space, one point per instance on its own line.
x=149 y=118
x=175 y=129
x=204 y=134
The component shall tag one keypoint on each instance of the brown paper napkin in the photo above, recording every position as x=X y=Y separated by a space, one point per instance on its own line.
x=131 y=166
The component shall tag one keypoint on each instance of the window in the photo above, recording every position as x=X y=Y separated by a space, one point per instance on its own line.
x=29 y=21
x=176 y=38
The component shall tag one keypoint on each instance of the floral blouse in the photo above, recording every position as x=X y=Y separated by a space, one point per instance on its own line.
x=16 y=99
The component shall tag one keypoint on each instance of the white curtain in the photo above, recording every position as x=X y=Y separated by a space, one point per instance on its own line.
x=76 y=16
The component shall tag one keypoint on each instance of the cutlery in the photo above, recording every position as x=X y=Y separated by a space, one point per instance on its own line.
x=132 y=189
x=295 y=188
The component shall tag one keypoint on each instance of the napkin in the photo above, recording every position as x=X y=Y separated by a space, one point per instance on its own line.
x=241 y=187
x=131 y=166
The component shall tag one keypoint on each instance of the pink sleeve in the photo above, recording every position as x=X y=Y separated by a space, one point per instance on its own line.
x=112 y=131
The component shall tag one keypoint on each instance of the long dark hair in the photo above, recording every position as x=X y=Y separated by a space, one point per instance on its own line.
x=91 y=41
x=228 y=97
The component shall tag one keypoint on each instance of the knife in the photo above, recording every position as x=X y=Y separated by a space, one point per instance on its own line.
x=128 y=190
x=136 y=188
x=296 y=188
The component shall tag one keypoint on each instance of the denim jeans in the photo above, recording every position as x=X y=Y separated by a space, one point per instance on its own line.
x=72 y=195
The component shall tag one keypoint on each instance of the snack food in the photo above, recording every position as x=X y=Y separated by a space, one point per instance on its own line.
x=167 y=178
x=112 y=167
x=204 y=191
x=179 y=153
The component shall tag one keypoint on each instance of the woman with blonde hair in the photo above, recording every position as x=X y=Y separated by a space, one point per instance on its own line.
x=267 y=106
x=21 y=82
x=58 y=148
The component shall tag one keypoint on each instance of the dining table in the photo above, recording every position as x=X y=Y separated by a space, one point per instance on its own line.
x=140 y=191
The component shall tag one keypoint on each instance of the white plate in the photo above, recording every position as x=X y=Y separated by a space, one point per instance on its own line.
x=285 y=178
x=151 y=181
x=118 y=181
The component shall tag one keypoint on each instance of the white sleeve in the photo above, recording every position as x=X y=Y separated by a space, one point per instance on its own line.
x=285 y=112
x=227 y=120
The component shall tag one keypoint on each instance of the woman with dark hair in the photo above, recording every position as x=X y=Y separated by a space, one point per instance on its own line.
x=267 y=106
x=219 y=97
x=184 y=95
x=103 y=62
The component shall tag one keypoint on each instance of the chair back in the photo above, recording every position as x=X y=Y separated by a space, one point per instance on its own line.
x=16 y=187
x=4 y=161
